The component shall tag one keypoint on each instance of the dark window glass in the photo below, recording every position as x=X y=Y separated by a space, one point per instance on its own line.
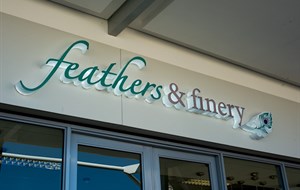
x=108 y=169
x=249 y=175
x=293 y=176
x=178 y=175
x=30 y=157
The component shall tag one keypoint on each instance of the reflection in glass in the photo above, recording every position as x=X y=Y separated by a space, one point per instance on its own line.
x=30 y=157
x=293 y=176
x=249 y=175
x=108 y=169
x=178 y=175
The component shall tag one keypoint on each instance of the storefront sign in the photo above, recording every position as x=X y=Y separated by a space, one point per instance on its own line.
x=117 y=83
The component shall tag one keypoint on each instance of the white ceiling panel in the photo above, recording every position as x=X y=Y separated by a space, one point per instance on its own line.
x=263 y=36
x=100 y=8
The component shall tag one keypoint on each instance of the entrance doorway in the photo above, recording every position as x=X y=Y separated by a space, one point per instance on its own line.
x=98 y=163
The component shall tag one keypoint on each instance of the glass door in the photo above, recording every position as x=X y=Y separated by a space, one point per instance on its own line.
x=105 y=164
x=185 y=171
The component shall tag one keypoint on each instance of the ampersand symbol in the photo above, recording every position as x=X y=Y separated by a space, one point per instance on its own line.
x=175 y=94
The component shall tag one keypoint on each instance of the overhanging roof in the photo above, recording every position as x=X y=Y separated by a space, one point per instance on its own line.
x=263 y=36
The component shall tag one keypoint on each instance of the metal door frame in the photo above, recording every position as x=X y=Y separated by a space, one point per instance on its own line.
x=210 y=160
x=149 y=159
x=87 y=140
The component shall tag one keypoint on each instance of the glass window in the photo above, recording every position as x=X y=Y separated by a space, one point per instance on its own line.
x=248 y=175
x=30 y=157
x=293 y=176
x=108 y=169
x=178 y=175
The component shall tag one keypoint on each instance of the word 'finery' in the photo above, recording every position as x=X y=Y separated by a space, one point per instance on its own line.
x=116 y=83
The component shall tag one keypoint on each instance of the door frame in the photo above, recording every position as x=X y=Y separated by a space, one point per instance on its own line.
x=87 y=140
x=149 y=158
x=209 y=160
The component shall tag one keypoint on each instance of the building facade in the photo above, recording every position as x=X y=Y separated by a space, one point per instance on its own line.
x=81 y=109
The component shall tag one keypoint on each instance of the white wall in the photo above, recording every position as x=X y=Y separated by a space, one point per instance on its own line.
x=50 y=29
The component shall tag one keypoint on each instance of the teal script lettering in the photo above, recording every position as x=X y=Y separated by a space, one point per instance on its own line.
x=118 y=84
x=92 y=76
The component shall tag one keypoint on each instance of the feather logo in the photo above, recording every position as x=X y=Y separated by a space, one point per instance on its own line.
x=259 y=126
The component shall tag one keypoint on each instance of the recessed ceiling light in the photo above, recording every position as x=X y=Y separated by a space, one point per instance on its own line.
x=254 y=174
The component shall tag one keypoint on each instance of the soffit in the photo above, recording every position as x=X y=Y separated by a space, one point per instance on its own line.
x=263 y=36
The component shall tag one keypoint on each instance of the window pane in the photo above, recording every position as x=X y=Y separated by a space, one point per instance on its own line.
x=108 y=169
x=293 y=176
x=178 y=175
x=248 y=175
x=31 y=157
